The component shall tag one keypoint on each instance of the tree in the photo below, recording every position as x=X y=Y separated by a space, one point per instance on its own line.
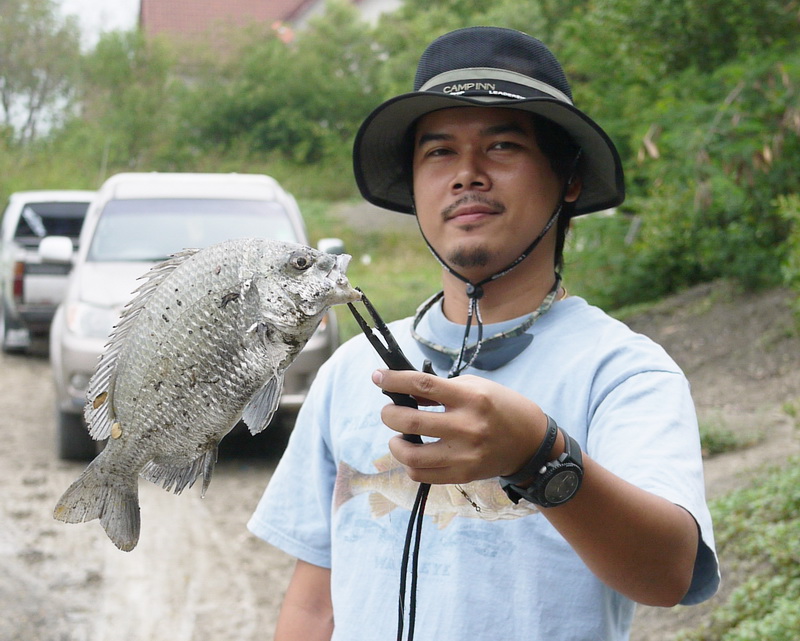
x=303 y=100
x=129 y=95
x=39 y=61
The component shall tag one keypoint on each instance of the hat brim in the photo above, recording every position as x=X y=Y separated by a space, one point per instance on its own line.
x=381 y=146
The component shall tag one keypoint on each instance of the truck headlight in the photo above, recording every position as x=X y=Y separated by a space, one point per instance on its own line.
x=91 y=321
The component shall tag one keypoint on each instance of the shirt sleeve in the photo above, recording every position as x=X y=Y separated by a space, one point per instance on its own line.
x=655 y=445
x=294 y=513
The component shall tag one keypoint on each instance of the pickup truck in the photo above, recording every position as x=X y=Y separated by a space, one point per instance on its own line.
x=35 y=225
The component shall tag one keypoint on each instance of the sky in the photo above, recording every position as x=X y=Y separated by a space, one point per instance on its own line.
x=98 y=16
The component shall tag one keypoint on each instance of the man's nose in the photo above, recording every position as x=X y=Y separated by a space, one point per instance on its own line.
x=470 y=173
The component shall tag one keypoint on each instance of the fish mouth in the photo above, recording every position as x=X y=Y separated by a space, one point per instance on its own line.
x=338 y=276
x=341 y=262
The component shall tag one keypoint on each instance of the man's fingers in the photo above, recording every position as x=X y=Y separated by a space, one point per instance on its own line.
x=428 y=389
x=423 y=463
x=405 y=420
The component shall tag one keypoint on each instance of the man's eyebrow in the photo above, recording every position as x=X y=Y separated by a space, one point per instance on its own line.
x=432 y=137
x=505 y=128
x=493 y=130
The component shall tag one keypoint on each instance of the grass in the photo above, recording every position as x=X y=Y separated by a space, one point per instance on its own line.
x=715 y=439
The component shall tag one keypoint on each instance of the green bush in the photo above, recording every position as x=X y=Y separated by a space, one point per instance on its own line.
x=757 y=534
x=715 y=439
x=789 y=210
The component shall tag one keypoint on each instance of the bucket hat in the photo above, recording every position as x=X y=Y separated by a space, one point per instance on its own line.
x=485 y=67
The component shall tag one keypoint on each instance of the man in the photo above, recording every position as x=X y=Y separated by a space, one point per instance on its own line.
x=562 y=448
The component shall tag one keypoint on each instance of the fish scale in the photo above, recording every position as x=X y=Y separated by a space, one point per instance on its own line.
x=203 y=344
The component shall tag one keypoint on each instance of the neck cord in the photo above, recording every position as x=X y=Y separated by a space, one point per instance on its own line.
x=475 y=290
x=488 y=343
x=475 y=293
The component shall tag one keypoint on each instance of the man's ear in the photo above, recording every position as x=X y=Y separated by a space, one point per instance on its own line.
x=573 y=189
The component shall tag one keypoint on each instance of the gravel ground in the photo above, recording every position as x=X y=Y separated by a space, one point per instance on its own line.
x=198 y=575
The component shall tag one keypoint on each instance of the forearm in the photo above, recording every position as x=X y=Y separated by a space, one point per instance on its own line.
x=637 y=543
x=640 y=544
x=307 y=612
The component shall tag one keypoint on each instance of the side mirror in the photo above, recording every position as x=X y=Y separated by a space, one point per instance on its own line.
x=331 y=245
x=55 y=249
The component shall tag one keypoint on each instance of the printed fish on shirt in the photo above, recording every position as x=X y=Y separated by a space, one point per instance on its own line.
x=390 y=488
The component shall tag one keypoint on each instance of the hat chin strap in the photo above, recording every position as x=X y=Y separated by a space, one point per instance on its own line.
x=475 y=290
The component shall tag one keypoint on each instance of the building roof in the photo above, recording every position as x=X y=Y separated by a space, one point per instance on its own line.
x=192 y=18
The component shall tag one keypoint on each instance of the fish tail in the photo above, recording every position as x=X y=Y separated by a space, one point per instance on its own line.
x=343 y=491
x=112 y=499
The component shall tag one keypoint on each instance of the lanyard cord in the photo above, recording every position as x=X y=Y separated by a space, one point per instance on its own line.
x=475 y=291
x=511 y=333
x=414 y=532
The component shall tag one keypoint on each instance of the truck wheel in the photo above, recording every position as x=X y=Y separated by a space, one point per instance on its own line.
x=74 y=442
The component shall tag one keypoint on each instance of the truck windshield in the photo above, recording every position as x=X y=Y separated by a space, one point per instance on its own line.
x=50 y=219
x=153 y=229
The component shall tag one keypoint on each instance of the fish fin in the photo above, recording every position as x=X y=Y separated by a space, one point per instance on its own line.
x=261 y=408
x=381 y=506
x=99 y=409
x=177 y=477
x=114 y=499
x=386 y=463
x=209 y=461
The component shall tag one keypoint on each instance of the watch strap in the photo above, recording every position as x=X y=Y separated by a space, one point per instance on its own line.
x=539 y=460
x=572 y=449
x=572 y=457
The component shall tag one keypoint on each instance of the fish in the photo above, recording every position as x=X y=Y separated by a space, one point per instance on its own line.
x=390 y=488
x=203 y=344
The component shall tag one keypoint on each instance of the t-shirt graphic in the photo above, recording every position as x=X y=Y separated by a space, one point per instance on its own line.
x=389 y=488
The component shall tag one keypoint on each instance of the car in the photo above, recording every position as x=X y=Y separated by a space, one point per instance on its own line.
x=31 y=287
x=138 y=220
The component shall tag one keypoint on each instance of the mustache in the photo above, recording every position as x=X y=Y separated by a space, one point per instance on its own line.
x=468 y=199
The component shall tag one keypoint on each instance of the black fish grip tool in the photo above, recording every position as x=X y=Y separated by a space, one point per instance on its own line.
x=389 y=351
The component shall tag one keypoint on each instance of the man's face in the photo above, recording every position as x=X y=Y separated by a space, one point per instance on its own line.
x=482 y=187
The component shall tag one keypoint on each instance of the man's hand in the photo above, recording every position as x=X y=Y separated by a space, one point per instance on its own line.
x=486 y=429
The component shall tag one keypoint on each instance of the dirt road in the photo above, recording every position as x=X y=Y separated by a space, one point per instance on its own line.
x=198 y=575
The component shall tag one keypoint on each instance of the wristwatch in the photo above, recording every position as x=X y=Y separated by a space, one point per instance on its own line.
x=556 y=482
x=532 y=467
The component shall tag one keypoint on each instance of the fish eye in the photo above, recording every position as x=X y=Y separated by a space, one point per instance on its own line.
x=301 y=261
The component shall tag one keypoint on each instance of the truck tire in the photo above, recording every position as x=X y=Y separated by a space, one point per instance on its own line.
x=74 y=442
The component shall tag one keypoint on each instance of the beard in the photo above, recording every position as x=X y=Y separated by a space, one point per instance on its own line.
x=469 y=257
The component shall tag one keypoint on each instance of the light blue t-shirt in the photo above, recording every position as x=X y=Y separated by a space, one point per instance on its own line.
x=498 y=570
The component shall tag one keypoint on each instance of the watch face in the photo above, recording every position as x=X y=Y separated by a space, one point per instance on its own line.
x=562 y=486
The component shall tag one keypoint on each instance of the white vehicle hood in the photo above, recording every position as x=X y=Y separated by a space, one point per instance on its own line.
x=110 y=284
